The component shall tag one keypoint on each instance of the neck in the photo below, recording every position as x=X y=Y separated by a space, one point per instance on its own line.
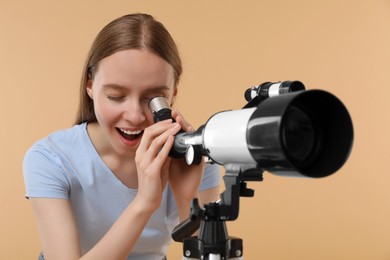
x=123 y=167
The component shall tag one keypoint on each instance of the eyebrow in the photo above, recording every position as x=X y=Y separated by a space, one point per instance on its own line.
x=113 y=86
x=119 y=87
x=158 y=88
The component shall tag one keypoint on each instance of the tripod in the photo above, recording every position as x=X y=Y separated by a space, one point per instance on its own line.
x=213 y=241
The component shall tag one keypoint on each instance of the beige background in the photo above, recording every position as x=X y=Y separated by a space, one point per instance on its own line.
x=227 y=46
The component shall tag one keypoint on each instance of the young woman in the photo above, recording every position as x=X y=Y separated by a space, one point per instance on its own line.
x=106 y=188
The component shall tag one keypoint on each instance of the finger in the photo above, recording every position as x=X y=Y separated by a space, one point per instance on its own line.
x=151 y=161
x=160 y=142
x=167 y=161
x=152 y=131
x=162 y=161
x=157 y=143
x=180 y=119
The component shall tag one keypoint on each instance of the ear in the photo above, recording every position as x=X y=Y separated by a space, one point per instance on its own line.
x=88 y=88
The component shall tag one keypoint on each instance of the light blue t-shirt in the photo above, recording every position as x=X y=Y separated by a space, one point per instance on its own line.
x=66 y=165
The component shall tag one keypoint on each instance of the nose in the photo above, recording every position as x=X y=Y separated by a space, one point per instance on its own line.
x=134 y=112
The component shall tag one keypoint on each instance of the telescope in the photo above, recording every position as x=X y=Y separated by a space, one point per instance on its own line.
x=283 y=129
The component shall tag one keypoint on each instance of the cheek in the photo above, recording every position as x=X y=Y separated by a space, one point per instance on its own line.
x=149 y=118
x=105 y=113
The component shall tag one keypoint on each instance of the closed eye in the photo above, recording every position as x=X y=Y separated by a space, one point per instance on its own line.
x=115 y=98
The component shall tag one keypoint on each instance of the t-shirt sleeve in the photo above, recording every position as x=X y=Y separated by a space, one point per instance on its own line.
x=43 y=175
x=211 y=177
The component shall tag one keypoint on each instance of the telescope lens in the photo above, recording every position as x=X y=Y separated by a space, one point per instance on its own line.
x=299 y=136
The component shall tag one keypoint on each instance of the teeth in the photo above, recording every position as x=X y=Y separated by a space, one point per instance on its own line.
x=128 y=132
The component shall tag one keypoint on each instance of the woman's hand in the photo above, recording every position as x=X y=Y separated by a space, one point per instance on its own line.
x=184 y=179
x=153 y=163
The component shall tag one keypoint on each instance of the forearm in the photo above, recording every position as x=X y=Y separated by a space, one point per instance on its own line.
x=120 y=239
x=183 y=206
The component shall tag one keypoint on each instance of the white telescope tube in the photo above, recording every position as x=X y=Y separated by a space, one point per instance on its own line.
x=225 y=136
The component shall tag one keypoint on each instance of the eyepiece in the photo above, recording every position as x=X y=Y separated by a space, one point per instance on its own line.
x=158 y=103
x=160 y=109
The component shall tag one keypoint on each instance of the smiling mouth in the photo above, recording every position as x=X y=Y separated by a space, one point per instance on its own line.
x=130 y=135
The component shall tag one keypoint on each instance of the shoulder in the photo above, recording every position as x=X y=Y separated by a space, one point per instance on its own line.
x=58 y=142
x=68 y=136
x=54 y=149
x=47 y=163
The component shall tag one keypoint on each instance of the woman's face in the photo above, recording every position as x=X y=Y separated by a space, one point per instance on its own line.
x=121 y=90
